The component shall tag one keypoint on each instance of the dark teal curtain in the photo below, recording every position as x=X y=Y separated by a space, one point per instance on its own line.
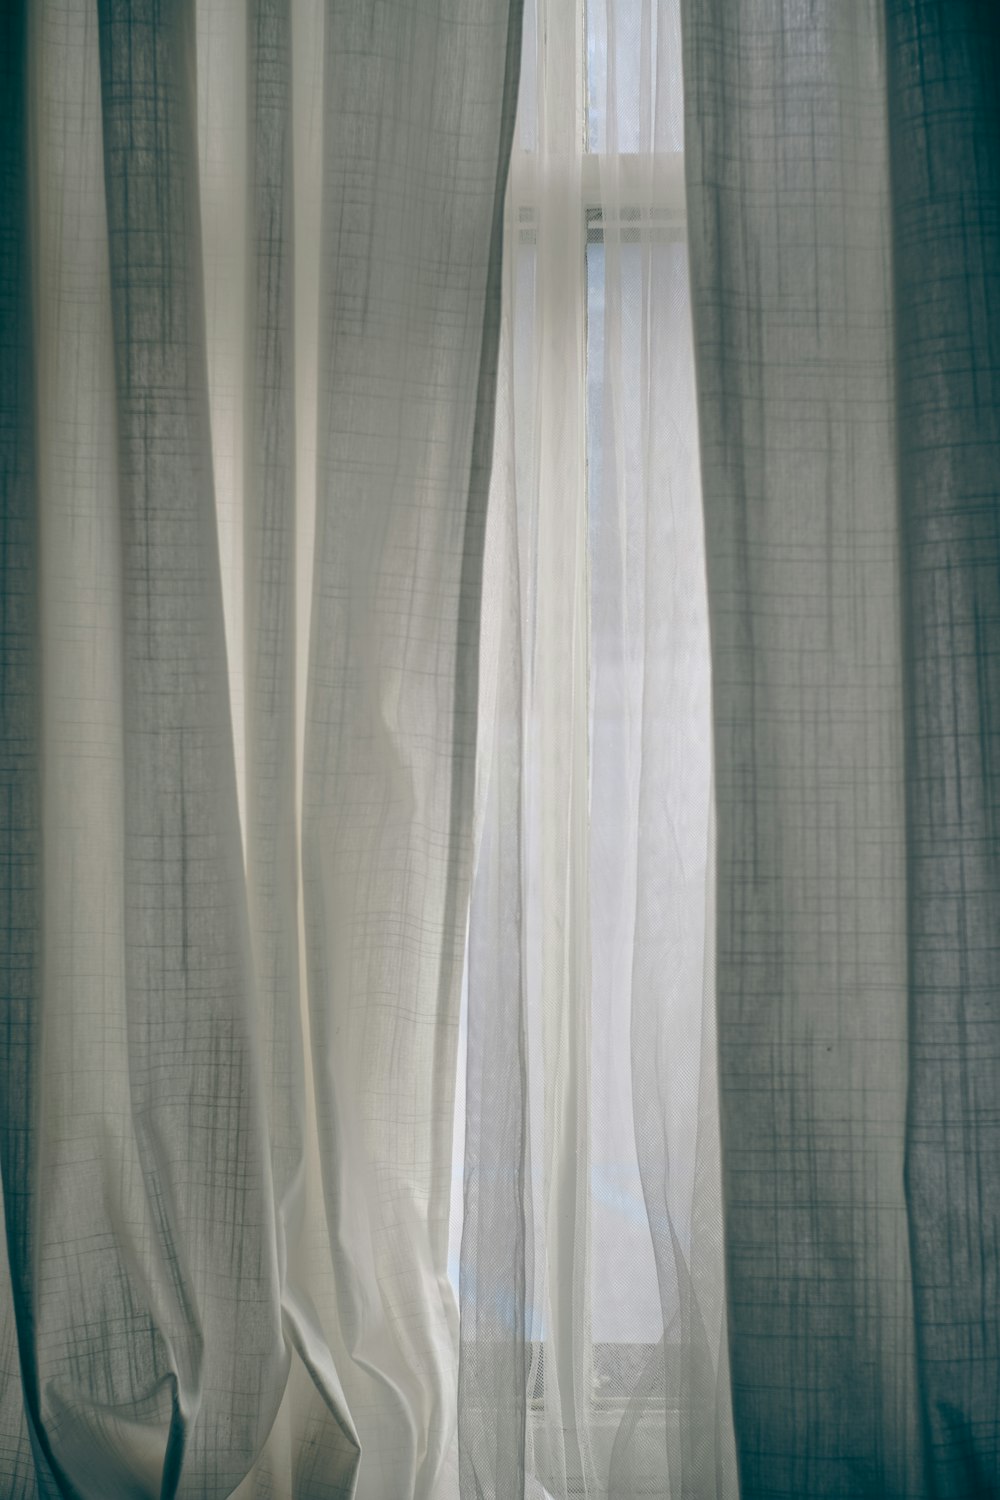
x=843 y=165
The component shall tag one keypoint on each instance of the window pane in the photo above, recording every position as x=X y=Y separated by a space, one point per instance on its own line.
x=626 y=1306
x=650 y=770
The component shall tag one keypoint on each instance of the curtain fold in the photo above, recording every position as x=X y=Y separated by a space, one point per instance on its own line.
x=417 y=119
x=944 y=133
x=20 y=769
x=842 y=166
x=269 y=597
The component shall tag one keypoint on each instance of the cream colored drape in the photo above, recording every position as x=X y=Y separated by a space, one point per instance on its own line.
x=249 y=306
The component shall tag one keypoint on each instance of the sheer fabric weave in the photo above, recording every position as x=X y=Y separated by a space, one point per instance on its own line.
x=594 y=1357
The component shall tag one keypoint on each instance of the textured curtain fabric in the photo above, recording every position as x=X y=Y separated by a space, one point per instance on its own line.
x=593 y=1344
x=264 y=779
x=244 y=477
x=843 y=169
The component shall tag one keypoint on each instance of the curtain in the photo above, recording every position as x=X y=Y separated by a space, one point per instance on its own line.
x=250 y=303
x=843 y=170
x=593 y=1336
x=499 y=692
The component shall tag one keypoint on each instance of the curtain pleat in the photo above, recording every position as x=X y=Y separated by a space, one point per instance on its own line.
x=315 y=1438
x=418 y=105
x=269 y=593
x=842 y=168
x=21 y=897
x=944 y=131
x=790 y=231
x=156 y=1222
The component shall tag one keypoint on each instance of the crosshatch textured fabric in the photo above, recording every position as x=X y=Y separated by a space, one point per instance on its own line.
x=20 y=769
x=225 y=1172
x=843 y=166
x=418 y=116
x=944 y=130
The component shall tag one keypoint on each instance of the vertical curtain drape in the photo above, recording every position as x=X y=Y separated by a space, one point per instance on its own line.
x=844 y=208
x=225 y=1169
x=593 y=1346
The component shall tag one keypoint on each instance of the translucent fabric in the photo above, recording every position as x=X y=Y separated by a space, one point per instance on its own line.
x=248 y=331
x=593 y=1334
x=843 y=169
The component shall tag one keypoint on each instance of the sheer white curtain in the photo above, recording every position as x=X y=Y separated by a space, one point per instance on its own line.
x=594 y=1357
